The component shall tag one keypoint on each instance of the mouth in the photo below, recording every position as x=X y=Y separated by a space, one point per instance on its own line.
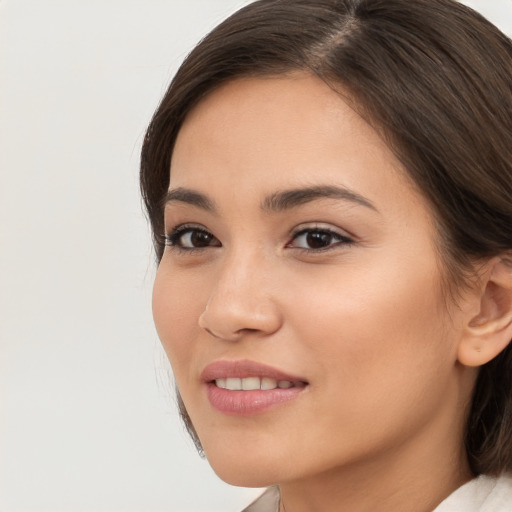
x=243 y=388
x=253 y=383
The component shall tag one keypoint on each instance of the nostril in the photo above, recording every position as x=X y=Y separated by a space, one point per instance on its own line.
x=233 y=336
x=209 y=331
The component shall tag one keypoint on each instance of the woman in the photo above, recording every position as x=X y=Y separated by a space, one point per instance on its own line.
x=329 y=185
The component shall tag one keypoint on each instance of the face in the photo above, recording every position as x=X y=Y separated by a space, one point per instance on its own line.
x=299 y=297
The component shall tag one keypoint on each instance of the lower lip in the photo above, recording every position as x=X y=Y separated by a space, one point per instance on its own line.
x=247 y=403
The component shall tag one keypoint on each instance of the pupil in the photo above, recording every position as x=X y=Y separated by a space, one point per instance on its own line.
x=317 y=240
x=200 y=239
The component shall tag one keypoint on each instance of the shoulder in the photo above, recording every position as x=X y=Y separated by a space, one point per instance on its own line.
x=482 y=494
x=267 y=502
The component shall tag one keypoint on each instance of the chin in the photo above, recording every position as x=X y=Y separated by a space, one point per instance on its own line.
x=245 y=467
x=248 y=476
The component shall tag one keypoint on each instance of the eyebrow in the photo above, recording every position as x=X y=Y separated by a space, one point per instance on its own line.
x=288 y=199
x=276 y=202
x=185 y=195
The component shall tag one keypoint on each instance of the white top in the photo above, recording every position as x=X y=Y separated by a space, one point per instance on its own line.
x=482 y=494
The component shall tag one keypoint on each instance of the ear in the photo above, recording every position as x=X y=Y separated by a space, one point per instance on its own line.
x=489 y=331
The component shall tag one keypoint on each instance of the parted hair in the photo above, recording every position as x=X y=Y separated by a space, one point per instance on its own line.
x=435 y=79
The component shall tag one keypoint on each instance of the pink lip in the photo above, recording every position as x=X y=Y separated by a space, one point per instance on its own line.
x=247 y=403
x=243 y=368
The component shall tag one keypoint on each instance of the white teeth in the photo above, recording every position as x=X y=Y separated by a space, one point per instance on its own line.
x=251 y=383
x=233 y=384
x=267 y=383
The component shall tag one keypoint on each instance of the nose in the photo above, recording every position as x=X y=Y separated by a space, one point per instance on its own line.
x=242 y=300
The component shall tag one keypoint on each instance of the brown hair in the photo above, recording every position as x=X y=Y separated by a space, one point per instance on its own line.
x=435 y=78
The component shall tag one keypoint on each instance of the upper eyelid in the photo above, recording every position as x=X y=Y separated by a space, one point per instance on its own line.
x=320 y=226
x=185 y=226
x=297 y=231
x=172 y=239
x=180 y=229
x=338 y=238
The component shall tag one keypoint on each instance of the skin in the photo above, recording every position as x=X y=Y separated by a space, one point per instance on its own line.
x=365 y=322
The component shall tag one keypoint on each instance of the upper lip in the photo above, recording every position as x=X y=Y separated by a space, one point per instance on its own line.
x=244 y=368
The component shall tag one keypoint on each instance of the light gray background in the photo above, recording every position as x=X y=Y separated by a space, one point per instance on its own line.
x=87 y=419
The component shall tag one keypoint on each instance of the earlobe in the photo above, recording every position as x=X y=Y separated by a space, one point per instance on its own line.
x=489 y=331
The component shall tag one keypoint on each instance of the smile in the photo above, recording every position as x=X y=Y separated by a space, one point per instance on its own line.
x=244 y=388
x=252 y=383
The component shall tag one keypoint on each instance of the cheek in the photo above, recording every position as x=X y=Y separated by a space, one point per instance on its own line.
x=176 y=310
x=379 y=335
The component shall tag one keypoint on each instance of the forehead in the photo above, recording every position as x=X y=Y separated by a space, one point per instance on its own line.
x=257 y=135
x=247 y=113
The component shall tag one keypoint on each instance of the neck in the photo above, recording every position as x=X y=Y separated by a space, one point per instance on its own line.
x=407 y=479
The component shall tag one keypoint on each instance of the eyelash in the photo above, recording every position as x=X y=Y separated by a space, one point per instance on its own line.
x=172 y=240
x=338 y=238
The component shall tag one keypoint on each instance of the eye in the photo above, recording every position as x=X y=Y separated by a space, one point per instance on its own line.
x=316 y=239
x=189 y=238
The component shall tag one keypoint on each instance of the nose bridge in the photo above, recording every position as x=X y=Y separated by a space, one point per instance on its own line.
x=243 y=297
x=241 y=268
